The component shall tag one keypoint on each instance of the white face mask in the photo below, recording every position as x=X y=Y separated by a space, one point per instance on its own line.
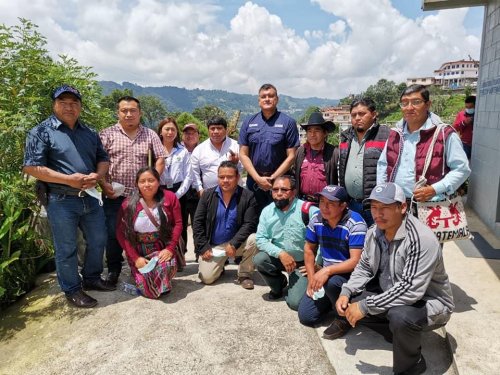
x=95 y=194
x=149 y=266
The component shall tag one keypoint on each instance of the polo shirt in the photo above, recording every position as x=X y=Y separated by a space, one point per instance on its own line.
x=226 y=219
x=268 y=140
x=335 y=242
x=54 y=145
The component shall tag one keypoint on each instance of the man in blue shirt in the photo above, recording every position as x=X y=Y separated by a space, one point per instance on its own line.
x=340 y=233
x=268 y=141
x=68 y=156
x=223 y=227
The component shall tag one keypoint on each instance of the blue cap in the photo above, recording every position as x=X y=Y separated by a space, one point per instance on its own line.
x=334 y=193
x=66 y=88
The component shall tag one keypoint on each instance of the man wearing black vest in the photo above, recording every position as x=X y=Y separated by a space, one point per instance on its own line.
x=360 y=149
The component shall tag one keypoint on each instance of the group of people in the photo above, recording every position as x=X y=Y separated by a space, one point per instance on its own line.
x=336 y=220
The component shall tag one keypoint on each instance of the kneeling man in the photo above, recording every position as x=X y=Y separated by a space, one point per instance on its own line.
x=340 y=234
x=412 y=293
x=223 y=226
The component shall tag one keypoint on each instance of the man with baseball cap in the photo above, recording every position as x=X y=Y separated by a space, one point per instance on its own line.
x=340 y=234
x=69 y=158
x=399 y=287
x=315 y=164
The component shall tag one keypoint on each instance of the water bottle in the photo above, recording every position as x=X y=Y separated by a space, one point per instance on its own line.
x=129 y=289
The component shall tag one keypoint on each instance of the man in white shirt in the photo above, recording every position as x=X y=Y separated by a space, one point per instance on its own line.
x=208 y=155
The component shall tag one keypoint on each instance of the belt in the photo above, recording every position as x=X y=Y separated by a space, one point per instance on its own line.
x=74 y=193
x=309 y=197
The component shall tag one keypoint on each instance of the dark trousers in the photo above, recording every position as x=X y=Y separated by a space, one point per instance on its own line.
x=262 y=197
x=114 y=251
x=311 y=311
x=404 y=324
x=188 y=209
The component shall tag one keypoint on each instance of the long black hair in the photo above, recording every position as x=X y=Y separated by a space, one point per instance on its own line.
x=133 y=200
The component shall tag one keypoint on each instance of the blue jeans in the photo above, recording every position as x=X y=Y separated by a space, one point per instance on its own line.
x=114 y=251
x=311 y=311
x=66 y=214
x=366 y=214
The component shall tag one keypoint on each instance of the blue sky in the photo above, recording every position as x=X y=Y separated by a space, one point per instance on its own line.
x=324 y=48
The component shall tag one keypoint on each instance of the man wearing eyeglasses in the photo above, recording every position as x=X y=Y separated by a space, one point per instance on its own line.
x=280 y=238
x=403 y=158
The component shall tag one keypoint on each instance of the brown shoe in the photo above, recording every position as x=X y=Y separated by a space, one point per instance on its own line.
x=245 y=282
x=338 y=328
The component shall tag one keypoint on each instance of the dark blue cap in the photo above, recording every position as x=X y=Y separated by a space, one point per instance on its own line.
x=334 y=193
x=66 y=88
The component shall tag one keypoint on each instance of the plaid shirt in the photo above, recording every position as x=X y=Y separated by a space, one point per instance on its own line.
x=127 y=155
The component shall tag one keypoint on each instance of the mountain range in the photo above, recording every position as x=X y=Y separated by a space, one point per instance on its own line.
x=177 y=99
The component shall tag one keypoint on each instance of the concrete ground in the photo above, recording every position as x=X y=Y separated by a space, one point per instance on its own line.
x=222 y=328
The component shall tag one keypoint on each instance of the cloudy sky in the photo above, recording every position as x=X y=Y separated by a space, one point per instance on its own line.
x=323 y=48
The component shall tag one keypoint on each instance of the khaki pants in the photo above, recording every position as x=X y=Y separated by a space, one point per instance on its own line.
x=210 y=271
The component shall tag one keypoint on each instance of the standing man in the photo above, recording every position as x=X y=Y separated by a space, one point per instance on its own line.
x=190 y=139
x=207 y=157
x=69 y=158
x=280 y=239
x=128 y=144
x=464 y=124
x=316 y=161
x=360 y=149
x=399 y=287
x=268 y=141
x=225 y=223
x=340 y=234
x=403 y=158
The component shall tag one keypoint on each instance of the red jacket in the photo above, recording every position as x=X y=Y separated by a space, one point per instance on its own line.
x=465 y=131
x=172 y=209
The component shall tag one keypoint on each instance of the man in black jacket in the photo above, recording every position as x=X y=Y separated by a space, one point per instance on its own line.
x=360 y=148
x=224 y=226
x=315 y=165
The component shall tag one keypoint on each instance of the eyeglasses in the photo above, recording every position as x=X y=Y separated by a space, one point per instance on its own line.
x=284 y=190
x=413 y=102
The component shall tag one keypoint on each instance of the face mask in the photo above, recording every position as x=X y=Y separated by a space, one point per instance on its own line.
x=469 y=111
x=282 y=203
x=96 y=194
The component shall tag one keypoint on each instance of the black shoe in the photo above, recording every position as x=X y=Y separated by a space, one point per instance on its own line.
x=338 y=328
x=112 y=278
x=99 y=284
x=417 y=369
x=81 y=299
x=277 y=295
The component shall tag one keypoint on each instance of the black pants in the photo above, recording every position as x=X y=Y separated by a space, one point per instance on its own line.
x=404 y=325
x=188 y=209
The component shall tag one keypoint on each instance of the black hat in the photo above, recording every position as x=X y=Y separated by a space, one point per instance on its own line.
x=317 y=119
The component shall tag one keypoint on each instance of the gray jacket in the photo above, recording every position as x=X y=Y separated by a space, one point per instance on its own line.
x=417 y=273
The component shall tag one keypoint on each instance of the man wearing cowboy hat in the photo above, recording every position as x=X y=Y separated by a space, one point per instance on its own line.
x=316 y=162
x=360 y=148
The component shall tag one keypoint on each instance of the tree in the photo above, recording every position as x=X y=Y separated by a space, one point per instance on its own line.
x=206 y=112
x=153 y=110
x=29 y=75
x=385 y=94
x=187 y=118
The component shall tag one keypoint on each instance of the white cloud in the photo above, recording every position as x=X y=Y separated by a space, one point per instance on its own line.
x=153 y=42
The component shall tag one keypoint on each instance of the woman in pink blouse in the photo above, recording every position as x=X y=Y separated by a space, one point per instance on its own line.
x=148 y=229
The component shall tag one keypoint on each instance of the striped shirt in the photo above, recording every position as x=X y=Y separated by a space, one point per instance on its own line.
x=335 y=242
x=128 y=155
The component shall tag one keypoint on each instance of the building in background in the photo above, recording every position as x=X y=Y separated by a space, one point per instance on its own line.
x=457 y=74
x=483 y=197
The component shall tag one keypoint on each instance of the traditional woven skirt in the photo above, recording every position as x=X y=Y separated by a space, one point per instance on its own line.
x=156 y=282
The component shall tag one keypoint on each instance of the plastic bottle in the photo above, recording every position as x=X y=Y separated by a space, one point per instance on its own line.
x=129 y=289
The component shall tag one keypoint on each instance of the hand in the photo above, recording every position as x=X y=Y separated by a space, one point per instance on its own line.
x=207 y=255
x=353 y=313
x=468 y=121
x=319 y=279
x=76 y=180
x=264 y=183
x=90 y=181
x=230 y=250
x=141 y=262
x=200 y=193
x=164 y=256
x=233 y=157
x=424 y=193
x=287 y=261
x=303 y=270
x=341 y=305
x=107 y=189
